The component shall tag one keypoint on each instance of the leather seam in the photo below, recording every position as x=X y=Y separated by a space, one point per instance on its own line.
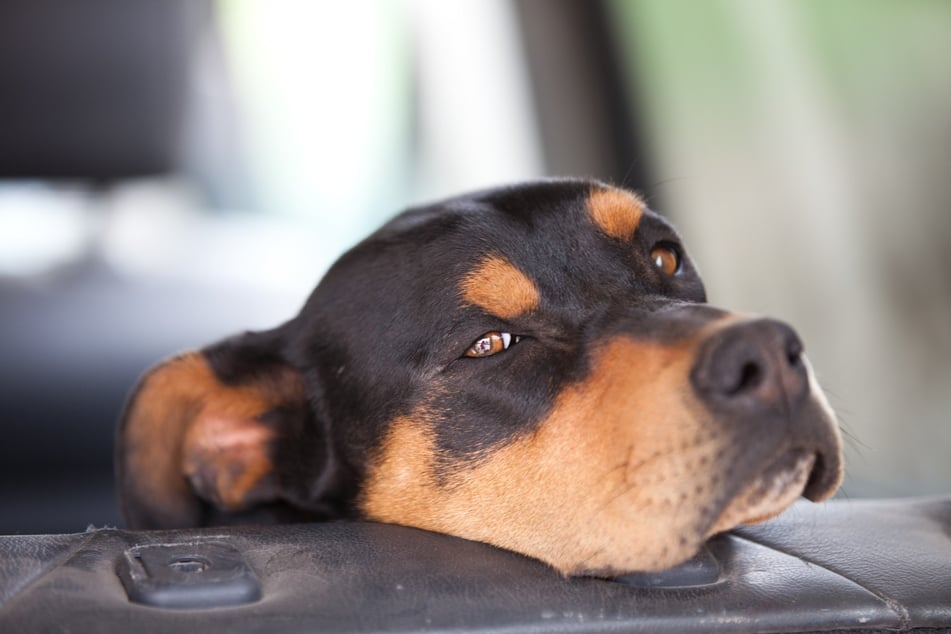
x=31 y=580
x=904 y=618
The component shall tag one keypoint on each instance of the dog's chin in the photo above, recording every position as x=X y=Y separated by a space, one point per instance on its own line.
x=770 y=493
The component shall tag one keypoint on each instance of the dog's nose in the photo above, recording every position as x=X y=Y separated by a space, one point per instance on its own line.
x=752 y=367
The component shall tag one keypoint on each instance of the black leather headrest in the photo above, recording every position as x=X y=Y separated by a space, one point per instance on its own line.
x=92 y=90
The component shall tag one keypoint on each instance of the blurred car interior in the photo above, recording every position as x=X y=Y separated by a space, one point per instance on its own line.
x=175 y=171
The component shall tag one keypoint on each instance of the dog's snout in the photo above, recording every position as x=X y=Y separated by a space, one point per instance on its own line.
x=752 y=367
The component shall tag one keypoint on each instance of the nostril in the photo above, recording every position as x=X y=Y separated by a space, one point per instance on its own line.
x=751 y=375
x=735 y=372
x=794 y=358
x=750 y=367
x=794 y=350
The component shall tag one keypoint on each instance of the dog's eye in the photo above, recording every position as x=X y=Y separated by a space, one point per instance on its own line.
x=666 y=258
x=491 y=343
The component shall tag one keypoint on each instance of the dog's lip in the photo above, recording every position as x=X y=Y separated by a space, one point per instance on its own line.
x=783 y=482
x=771 y=492
x=825 y=478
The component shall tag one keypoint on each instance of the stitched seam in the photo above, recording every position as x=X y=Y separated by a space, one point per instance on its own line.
x=904 y=619
x=30 y=580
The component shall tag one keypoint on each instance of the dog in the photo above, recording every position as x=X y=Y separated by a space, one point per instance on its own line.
x=533 y=366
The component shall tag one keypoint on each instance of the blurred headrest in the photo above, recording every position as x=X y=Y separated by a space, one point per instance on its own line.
x=93 y=90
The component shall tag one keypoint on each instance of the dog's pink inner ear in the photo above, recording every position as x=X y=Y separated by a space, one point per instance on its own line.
x=188 y=436
x=227 y=460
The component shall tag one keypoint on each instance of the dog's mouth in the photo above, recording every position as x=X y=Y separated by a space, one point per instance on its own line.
x=770 y=493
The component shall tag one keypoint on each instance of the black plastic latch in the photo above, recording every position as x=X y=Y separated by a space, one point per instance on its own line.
x=204 y=574
x=701 y=570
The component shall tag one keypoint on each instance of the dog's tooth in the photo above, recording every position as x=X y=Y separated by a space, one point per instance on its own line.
x=506 y=340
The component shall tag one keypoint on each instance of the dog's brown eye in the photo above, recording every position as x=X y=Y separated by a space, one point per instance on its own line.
x=666 y=258
x=491 y=343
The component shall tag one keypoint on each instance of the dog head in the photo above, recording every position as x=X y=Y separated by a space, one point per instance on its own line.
x=534 y=367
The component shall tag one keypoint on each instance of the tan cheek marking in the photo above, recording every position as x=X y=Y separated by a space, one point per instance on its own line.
x=401 y=488
x=597 y=486
x=617 y=212
x=500 y=288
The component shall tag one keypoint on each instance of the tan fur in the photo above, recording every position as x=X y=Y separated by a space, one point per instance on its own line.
x=500 y=288
x=627 y=472
x=607 y=479
x=154 y=431
x=616 y=212
x=187 y=425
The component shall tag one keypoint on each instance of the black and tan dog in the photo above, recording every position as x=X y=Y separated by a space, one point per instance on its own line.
x=533 y=367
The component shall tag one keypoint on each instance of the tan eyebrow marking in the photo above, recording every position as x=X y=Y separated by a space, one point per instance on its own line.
x=616 y=212
x=499 y=287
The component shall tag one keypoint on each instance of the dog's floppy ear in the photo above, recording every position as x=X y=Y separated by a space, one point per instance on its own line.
x=217 y=433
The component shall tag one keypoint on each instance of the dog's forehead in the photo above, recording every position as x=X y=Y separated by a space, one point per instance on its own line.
x=519 y=247
x=546 y=208
x=567 y=264
x=563 y=246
